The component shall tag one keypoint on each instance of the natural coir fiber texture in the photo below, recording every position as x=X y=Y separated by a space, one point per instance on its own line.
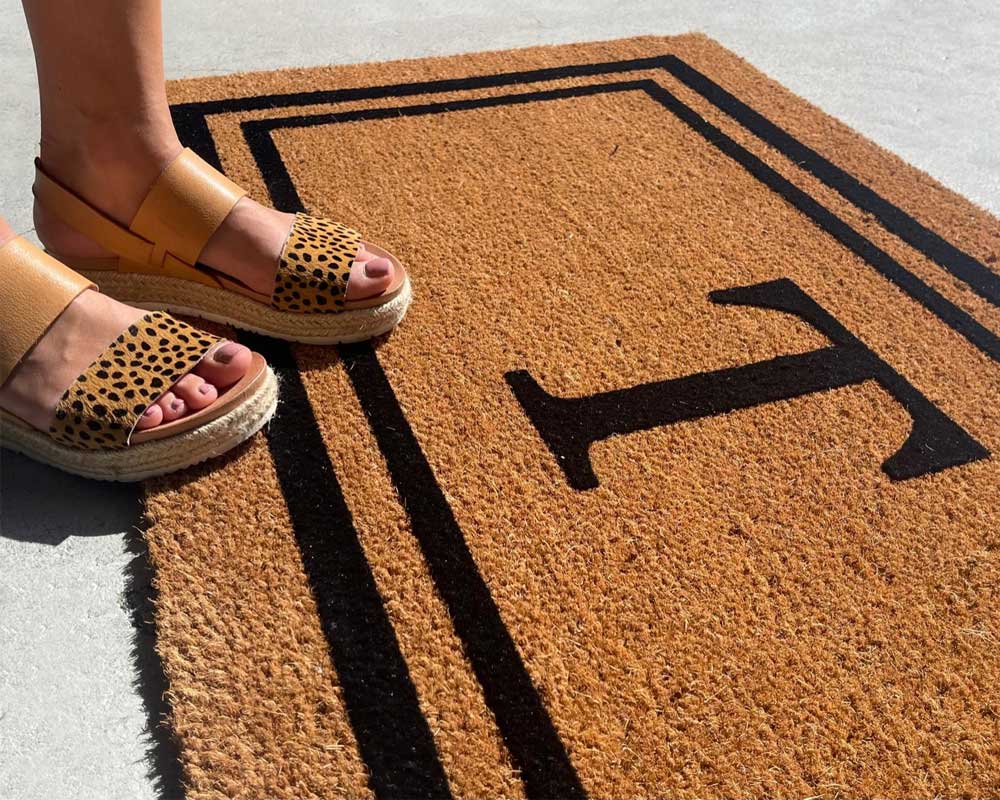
x=418 y=583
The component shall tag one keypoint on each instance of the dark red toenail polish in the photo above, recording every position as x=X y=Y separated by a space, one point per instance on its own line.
x=377 y=267
x=225 y=353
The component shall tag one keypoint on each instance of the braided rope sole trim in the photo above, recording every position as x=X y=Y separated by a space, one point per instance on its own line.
x=218 y=305
x=152 y=458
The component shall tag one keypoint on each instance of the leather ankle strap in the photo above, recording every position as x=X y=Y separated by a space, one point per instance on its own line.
x=84 y=218
x=185 y=206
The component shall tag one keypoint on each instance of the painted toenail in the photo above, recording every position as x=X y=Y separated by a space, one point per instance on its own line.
x=175 y=405
x=225 y=353
x=377 y=267
x=204 y=388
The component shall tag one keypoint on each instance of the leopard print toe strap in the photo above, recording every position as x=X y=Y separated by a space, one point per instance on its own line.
x=315 y=265
x=100 y=409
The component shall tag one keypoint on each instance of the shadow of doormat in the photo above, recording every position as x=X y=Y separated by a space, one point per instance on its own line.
x=675 y=482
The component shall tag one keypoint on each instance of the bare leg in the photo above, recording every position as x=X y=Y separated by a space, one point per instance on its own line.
x=105 y=120
x=105 y=130
x=107 y=133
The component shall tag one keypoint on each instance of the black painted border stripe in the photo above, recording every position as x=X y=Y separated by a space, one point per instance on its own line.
x=952 y=259
x=961 y=265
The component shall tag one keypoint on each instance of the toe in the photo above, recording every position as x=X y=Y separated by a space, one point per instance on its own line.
x=173 y=407
x=363 y=254
x=369 y=278
x=150 y=418
x=225 y=364
x=195 y=392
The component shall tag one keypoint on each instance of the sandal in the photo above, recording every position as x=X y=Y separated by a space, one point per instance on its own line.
x=156 y=261
x=92 y=431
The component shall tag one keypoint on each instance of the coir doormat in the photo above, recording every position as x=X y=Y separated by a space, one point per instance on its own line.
x=676 y=481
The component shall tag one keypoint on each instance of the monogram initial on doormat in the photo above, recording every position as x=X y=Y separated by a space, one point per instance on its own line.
x=676 y=481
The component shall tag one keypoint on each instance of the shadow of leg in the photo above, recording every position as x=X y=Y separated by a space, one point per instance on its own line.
x=41 y=505
x=150 y=681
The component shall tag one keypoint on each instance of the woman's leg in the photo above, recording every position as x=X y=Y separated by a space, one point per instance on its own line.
x=78 y=336
x=107 y=133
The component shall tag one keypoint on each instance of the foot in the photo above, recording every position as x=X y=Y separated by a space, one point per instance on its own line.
x=78 y=337
x=247 y=246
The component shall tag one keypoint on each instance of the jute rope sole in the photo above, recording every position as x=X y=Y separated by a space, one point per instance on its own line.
x=183 y=297
x=152 y=458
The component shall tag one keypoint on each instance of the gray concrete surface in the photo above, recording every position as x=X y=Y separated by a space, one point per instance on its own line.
x=921 y=78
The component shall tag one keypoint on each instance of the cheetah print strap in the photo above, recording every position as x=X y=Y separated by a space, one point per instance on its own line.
x=100 y=409
x=315 y=265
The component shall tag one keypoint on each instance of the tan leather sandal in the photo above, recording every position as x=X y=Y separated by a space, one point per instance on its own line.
x=92 y=431
x=156 y=261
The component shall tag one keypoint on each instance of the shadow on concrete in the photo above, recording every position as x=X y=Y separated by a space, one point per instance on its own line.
x=42 y=505
x=162 y=751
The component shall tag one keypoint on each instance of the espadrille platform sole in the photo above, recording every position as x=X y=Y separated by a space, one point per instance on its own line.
x=152 y=457
x=183 y=297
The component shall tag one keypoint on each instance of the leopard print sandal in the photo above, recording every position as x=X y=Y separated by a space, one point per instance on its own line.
x=156 y=261
x=92 y=430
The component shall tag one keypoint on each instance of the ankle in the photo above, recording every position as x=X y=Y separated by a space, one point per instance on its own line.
x=111 y=166
x=62 y=240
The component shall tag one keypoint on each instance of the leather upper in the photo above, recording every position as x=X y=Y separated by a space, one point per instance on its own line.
x=185 y=206
x=34 y=290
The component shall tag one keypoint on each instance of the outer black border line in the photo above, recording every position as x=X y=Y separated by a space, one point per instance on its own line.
x=961 y=265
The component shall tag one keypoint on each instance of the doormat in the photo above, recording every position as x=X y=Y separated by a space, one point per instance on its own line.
x=675 y=482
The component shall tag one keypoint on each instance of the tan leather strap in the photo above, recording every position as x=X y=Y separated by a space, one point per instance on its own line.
x=34 y=290
x=86 y=219
x=184 y=208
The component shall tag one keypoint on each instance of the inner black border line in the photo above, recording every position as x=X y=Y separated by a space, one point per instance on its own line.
x=284 y=195
x=376 y=395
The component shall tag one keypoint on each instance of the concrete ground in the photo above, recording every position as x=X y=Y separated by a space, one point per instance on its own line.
x=77 y=684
